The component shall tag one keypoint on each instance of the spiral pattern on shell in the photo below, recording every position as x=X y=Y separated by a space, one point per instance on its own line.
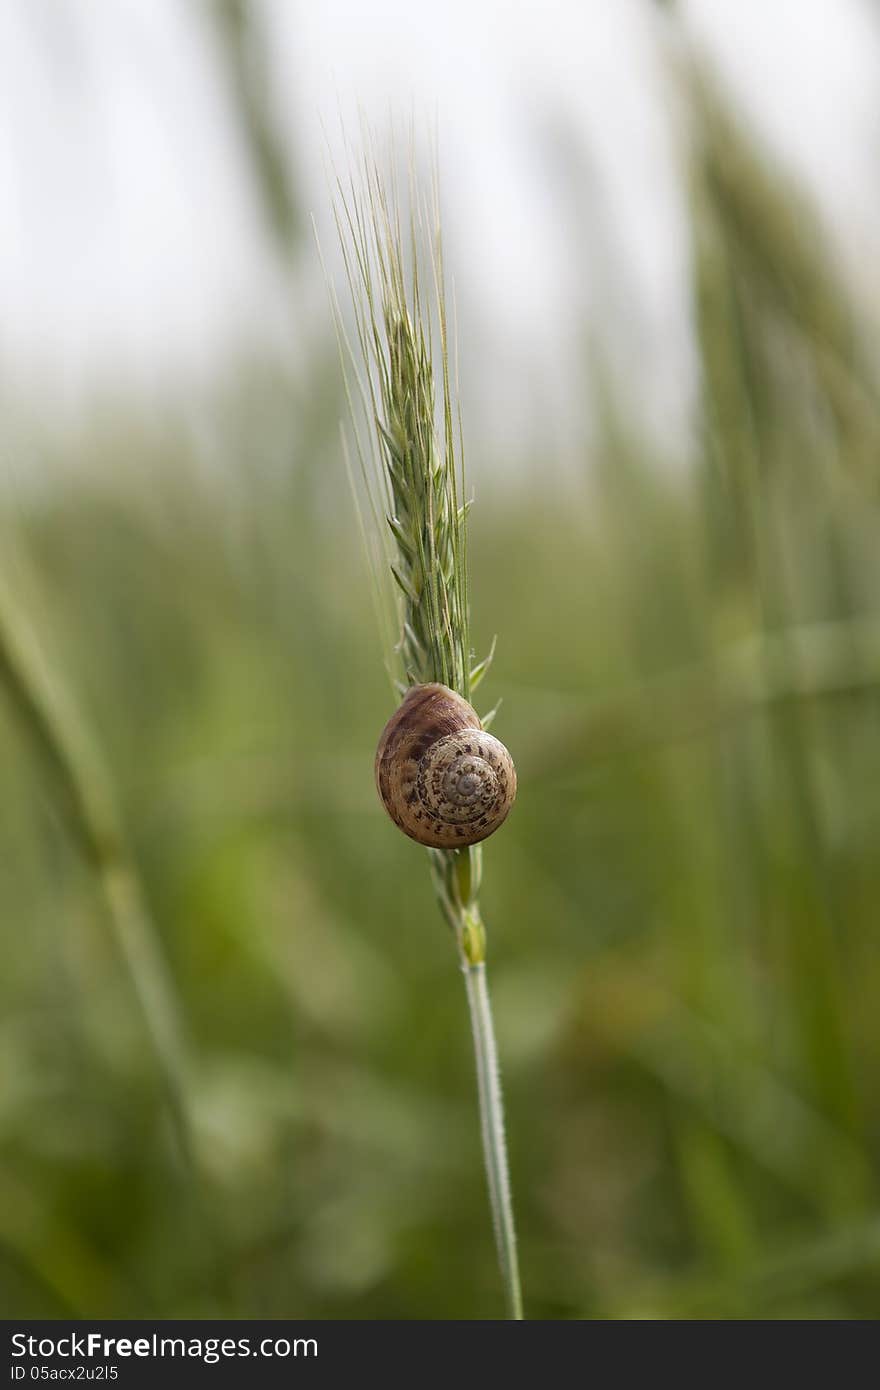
x=442 y=779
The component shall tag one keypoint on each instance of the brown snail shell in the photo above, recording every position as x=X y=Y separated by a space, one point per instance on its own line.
x=442 y=779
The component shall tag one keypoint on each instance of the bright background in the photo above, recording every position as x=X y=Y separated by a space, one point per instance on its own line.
x=661 y=223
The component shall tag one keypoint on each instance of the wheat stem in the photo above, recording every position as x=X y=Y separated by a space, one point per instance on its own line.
x=492 y=1129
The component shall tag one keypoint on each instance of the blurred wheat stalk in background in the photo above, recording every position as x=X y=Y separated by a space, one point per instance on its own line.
x=83 y=792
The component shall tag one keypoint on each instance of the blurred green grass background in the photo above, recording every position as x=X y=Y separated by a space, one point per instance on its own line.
x=683 y=908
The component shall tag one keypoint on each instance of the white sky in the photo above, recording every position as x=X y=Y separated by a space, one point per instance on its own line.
x=132 y=248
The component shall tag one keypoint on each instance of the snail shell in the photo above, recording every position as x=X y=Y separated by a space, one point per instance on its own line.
x=441 y=777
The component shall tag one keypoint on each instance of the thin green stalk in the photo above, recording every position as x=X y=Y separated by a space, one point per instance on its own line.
x=84 y=796
x=457 y=875
x=492 y=1127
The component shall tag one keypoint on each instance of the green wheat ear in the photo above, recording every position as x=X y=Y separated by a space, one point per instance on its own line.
x=406 y=465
